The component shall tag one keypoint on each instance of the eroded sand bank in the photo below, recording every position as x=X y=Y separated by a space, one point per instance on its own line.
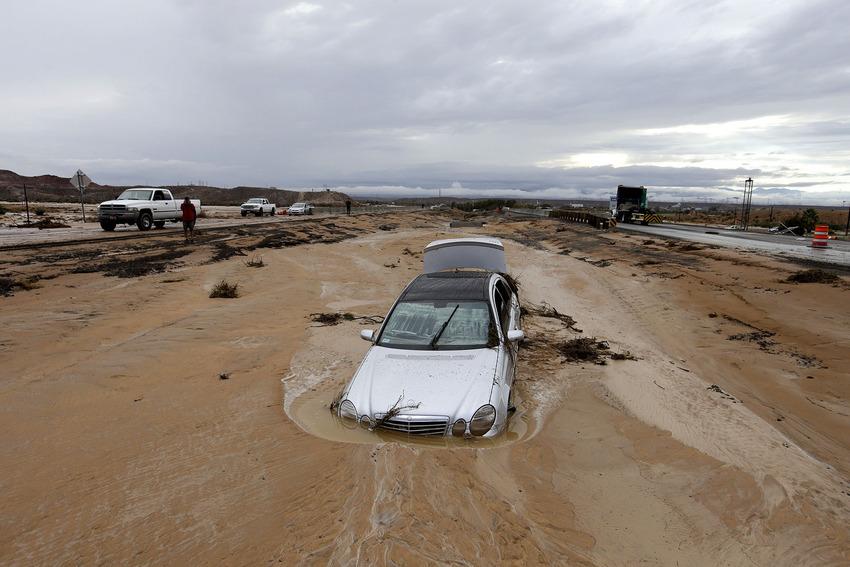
x=123 y=445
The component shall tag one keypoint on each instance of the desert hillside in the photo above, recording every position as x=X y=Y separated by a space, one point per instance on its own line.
x=52 y=188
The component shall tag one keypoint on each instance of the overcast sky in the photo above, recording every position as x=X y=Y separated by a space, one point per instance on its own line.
x=550 y=99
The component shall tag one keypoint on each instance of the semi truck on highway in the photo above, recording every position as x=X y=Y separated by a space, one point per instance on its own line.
x=145 y=207
x=632 y=206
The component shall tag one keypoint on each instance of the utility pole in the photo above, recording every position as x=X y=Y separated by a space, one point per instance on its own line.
x=27 y=203
x=746 y=203
x=847 y=228
x=80 y=187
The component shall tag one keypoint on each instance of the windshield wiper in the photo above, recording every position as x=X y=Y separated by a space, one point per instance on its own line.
x=443 y=328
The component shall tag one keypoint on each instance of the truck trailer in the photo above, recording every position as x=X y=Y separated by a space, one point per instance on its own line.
x=632 y=206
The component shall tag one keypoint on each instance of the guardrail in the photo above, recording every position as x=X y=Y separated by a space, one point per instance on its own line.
x=597 y=221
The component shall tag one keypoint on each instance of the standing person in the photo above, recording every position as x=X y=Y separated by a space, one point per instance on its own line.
x=189 y=216
x=348 y=207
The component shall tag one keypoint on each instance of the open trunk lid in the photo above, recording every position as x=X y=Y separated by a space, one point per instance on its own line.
x=481 y=253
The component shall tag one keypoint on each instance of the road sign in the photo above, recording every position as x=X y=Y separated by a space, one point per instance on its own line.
x=80 y=180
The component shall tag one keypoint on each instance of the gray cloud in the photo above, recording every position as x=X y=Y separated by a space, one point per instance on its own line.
x=495 y=96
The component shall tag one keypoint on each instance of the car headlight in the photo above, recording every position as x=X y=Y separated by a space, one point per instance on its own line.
x=459 y=428
x=482 y=420
x=348 y=412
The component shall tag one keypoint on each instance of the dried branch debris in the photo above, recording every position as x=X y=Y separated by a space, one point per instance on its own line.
x=396 y=409
x=812 y=276
x=584 y=349
x=331 y=319
x=546 y=310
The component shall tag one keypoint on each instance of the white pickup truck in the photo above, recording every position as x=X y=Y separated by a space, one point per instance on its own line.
x=145 y=207
x=257 y=206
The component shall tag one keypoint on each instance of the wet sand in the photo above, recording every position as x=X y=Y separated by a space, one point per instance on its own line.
x=123 y=445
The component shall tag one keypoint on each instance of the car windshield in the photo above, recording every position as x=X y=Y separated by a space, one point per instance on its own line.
x=135 y=195
x=298 y=205
x=415 y=324
x=260 y=201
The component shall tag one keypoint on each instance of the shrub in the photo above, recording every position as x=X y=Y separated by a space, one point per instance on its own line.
x=225 y=289
x=255 y=262
x=3 y=210
x=39 y=211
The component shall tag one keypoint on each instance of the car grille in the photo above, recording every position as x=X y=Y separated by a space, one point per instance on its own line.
x=113 y=208
x=415 y=424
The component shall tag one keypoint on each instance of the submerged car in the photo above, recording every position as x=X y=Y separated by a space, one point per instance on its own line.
x=444 y=360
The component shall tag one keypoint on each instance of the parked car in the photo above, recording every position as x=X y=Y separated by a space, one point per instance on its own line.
x=300 y=209
x=444 y=360
x=439 y=207
x=145 y=207
x=257 y=206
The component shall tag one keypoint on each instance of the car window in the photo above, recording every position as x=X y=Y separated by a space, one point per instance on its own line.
x=135 y=195
x=157 y=196
x=414 y=324
x=503 y=305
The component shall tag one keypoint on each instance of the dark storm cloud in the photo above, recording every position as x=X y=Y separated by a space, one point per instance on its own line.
x=488 y=96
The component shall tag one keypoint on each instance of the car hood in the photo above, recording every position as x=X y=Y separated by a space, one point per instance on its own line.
x=451 y=383
x=127 y=202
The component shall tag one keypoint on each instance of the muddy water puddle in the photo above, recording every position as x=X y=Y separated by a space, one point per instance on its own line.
x=310 y=411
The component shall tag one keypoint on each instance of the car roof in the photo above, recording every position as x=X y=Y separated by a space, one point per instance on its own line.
x=462 y=286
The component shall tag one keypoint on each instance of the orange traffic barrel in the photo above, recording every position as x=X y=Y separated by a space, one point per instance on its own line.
x=821 y=237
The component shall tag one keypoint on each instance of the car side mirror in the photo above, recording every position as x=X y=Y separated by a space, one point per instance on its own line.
x=367 y=335
x=515 y=335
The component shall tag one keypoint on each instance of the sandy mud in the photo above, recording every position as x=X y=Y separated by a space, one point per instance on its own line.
x=712 y=429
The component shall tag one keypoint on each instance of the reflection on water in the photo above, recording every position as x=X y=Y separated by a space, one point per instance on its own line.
x=310 y=411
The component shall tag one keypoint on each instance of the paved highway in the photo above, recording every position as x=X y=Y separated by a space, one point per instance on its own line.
x=781 y=245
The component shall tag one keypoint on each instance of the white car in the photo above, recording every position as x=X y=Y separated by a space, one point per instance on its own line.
x=257 y=206
x=300 y=209
x=444 y=360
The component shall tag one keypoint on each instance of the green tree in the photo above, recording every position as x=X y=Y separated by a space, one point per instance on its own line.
x=809 y=220
x=804 y=223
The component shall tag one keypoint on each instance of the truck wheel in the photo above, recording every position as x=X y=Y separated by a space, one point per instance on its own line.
x=274 y=212
x=145 y=221
x=260 y=213
x=108 y=226
x=244 y=214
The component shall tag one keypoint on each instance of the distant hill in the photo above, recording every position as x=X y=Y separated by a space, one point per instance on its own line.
x=51 y=188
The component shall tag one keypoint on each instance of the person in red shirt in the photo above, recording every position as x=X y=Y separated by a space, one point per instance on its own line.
x=189 y=216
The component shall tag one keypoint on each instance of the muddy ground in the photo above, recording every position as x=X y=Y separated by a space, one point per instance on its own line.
x=712 y=427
